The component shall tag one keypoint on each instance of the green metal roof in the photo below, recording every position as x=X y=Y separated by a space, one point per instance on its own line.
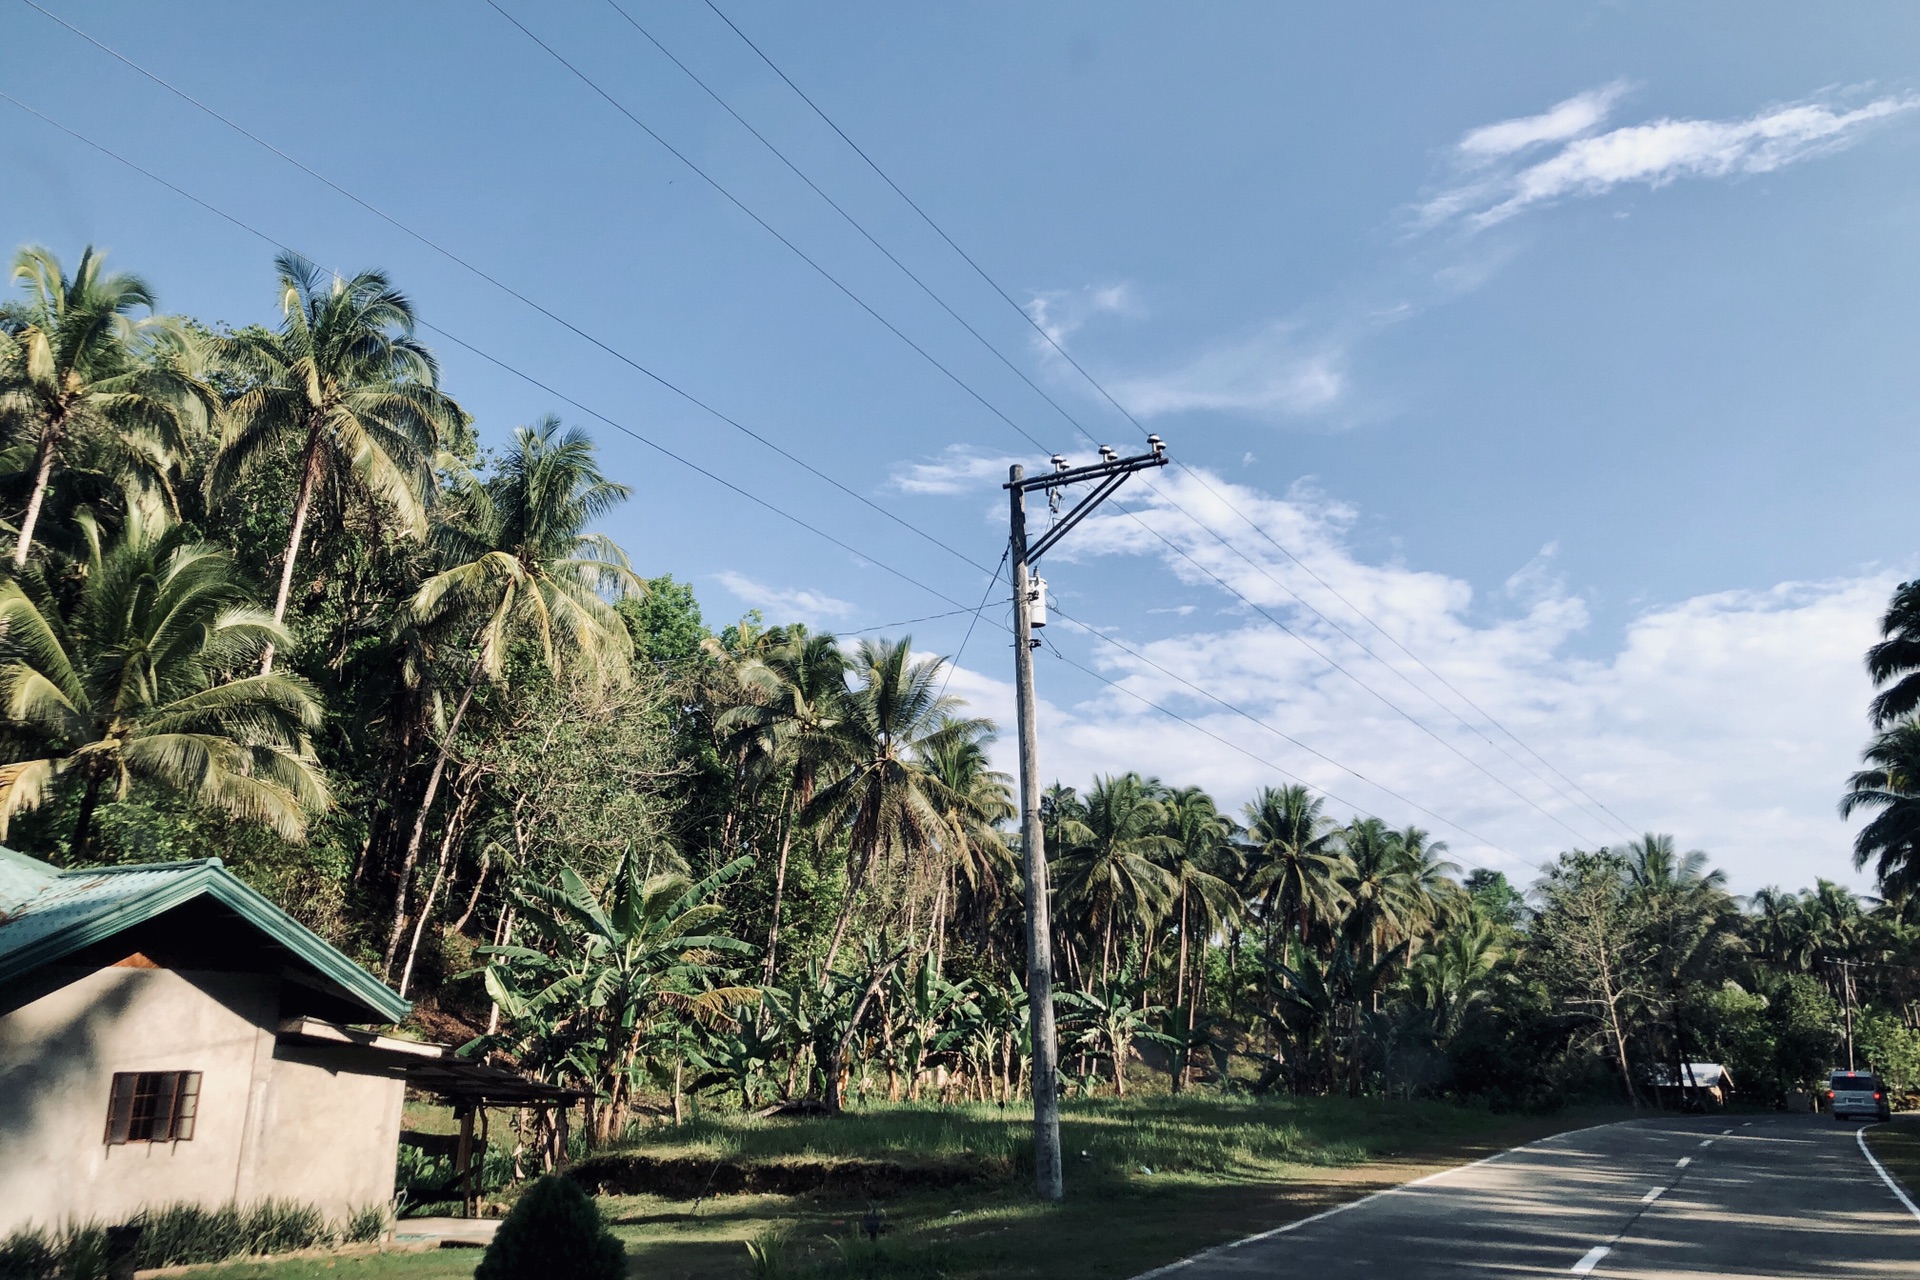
x=47 y=913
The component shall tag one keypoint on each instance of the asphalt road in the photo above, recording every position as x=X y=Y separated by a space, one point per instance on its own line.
x=1694 y=1197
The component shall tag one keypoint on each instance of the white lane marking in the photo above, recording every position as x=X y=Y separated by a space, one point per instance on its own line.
x=1281 y=1230
x=1746 y=1124
x=1860 y=1136
x=1706 y=1142
x=1590 y=1260
x=1653 y=1195
x=1683 y=1162
x=1725 y=1132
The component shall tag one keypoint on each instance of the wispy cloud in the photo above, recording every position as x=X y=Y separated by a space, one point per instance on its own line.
x=1061 y=312
x=785 y=604
x=1577 y=116
x=1497 y=183
x=1663 y=725
x=959 y=469
x=1275 y=373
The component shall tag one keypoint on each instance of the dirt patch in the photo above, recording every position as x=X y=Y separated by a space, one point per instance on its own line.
x=687 y=1178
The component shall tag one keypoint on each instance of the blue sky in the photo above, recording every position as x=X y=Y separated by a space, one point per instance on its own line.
x=1573 y=344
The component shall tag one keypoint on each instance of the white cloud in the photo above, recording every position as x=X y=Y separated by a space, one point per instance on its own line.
x=1271 y=374
x=1589 y=163
x=1578 y=115
x=1729 y=719
x=785 y=604
x=959 y=469
x=1061 y=312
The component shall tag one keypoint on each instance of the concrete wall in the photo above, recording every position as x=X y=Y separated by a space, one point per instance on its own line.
x=273 y=1121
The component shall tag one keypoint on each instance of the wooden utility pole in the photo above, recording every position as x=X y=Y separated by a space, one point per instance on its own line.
x=1110 y=471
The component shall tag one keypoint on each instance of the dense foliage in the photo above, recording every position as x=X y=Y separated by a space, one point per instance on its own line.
x=272 y=601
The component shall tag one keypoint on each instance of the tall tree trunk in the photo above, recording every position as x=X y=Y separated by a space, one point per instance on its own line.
x=1180 y=998
x=779 y=888
x=309 y=472
x=855 y=882
x=479 y=883
x=412 y=856
x=83 y=826
x=502 y=937
x=42 y=474
x=464 y=791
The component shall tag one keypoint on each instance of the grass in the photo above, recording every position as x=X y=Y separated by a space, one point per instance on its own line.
x=1148 y=1181
x=1897 y=1146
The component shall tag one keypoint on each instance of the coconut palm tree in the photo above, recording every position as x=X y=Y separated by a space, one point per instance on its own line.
x=131 y=684
x=796 y=690
x=1435 y=897
x=1897 y=658
x=1889 y=790
x=345 y=384
x=1295 y=866
x=895 y=719
x=973 y=799
x=518 y=565
x=1112 y=877
x=77 y=369
x=1199 y=849
x=1383 y=902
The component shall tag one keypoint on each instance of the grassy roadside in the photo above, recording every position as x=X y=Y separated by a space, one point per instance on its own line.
x=1897 y=1146
x=1148 y=1181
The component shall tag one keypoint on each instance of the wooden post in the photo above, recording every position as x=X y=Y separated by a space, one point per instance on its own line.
x=463 y=1159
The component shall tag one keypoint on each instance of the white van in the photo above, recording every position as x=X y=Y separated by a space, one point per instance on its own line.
x=1858 y=1095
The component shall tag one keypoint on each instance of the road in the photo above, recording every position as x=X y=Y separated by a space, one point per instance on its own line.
x=1666 y=1198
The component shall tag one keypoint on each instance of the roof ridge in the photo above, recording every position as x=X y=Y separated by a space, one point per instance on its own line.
x=183 y=864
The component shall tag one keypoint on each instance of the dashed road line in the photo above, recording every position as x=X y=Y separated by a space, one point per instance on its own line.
x=1591 y=1260
x=1683 y=1162
x=1653 y=1195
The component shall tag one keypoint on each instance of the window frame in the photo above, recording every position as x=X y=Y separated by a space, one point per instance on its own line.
x=152 y=1106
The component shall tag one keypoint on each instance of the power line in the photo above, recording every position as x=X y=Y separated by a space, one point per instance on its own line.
x=1190 y=471
x=587 y=80
x=723 y=191
x=501 y=285
x=977 y=611
x=509 y=368
x=1278 y=732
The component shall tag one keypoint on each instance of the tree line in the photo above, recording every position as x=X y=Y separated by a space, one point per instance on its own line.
x=272 y=599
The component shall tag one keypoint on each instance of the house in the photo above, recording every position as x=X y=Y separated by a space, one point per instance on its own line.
x=167 y=1035
x=1700 y=1083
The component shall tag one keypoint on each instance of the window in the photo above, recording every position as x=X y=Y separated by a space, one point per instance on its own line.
x=153 y=1106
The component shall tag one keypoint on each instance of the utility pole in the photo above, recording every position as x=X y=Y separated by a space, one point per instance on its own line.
x=1846 y=982
x=1111 y=471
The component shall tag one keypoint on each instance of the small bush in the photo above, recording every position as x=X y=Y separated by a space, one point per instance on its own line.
x=553 y=1233
x=177 y=1234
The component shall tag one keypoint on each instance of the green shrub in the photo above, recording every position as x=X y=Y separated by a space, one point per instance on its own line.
x=177 y=1234
x=553 y=1233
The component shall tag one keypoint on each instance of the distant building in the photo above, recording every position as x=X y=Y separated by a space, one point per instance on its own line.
x=1698 y=1082
x=167 y=1034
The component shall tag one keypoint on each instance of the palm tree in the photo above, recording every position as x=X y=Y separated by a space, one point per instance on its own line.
x=796 y=691
x=1295 y=863
x=1897 y=658
x=1112 y=876
x=78 y=368
x=520 y=566
x=1384 y=900
x=132 y=685
x=1889 y=789
x=346 y=384
x=1436 y=897
x=973 y=799
x=896 y=718
x=1198 y=848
